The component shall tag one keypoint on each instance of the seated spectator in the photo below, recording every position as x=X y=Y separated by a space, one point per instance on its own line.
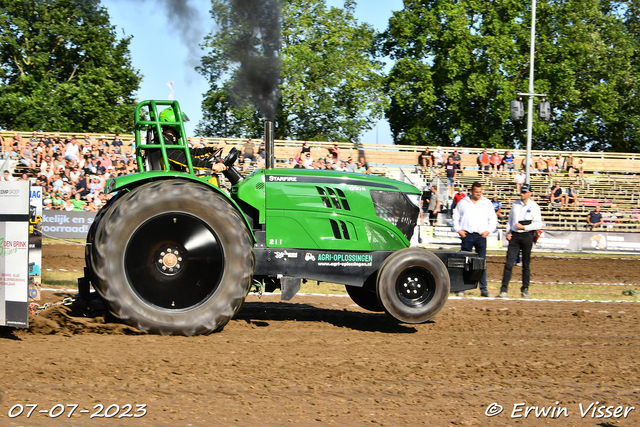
x=342 y=167
x=367 y=169
x=57 y=201
x=425 y=159
x=496 y=163
x=508 y=162
x=438 y=158
x=299 y=165
x=581 y=169
x=541 y=166
x=248 y=150
x=559 y=163
x=351 y=166
x=307 y=161
x=90 y=207
x=520 y=180
x=328 y=164
x=318 y=164
x=71 y=150
x=360 y=168
x=65 y=189
x=26 y=156
x=571 y=196
x=289 y=164
x=497 y=206
x=6 y=176
x=16 y=146
x=568 y=163
x=260 y=164
x=484 y=162
x=594 y=218
x=555 y=195
x=551 y=165
x=78 y=204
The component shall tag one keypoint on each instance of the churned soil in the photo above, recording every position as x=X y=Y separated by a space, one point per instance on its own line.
x=321 y=360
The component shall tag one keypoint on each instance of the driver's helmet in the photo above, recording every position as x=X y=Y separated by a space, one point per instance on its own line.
x=172 y=133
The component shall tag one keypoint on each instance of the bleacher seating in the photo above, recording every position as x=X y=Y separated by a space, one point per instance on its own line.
x=610 y=179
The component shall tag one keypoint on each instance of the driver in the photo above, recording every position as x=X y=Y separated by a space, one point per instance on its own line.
x=201 y=158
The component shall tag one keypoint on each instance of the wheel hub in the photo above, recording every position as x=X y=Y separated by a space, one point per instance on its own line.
x=411 y=288
x=415 y=287
x=170 y=260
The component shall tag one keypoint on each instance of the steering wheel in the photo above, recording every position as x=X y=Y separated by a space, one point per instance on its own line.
x=231 y=158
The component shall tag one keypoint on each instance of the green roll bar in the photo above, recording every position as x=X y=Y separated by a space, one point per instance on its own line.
x=154 y=121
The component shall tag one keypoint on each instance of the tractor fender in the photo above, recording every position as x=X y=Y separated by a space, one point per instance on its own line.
x=131 y=181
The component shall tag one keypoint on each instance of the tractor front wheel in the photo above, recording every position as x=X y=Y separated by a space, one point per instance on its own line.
x=173 y=257
x=413 y=285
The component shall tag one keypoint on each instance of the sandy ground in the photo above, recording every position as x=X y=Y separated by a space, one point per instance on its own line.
x=319 y=361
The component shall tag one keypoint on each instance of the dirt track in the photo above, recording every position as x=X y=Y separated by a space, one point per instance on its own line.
x=323 y=361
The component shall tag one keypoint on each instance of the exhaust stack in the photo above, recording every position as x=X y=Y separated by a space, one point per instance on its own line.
x=269 y=145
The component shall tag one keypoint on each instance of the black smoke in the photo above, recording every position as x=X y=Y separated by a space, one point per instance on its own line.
x=185 y=21
x=256 y=29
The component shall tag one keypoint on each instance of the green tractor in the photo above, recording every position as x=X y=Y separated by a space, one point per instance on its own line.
x=171 y=253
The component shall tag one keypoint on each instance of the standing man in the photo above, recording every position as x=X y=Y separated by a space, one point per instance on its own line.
x=524 y=219
x=432 y=207
x=451 y=170
x=473 y=219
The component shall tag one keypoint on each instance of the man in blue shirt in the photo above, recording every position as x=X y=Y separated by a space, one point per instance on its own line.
x=594 y=218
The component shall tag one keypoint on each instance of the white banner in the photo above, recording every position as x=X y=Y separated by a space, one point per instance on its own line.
x=14 y=253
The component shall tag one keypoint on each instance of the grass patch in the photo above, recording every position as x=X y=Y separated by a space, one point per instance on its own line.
x=564 y=291
x=61 y=279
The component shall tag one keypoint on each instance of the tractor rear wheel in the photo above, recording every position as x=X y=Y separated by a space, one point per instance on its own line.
x=173 y=257
x=413 y=285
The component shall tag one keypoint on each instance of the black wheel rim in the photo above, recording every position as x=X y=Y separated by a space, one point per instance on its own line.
x=174 y=261
x=415 y=286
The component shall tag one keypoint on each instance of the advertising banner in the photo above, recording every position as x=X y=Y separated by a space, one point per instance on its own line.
x=67 y=224
x=14 y=253
x=35 y=243
x=553 y=240
x=447 y=236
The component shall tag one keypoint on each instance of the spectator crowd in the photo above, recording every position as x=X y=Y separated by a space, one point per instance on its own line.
x=72 y=173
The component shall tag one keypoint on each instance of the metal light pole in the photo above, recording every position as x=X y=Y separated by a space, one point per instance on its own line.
x=532 y=53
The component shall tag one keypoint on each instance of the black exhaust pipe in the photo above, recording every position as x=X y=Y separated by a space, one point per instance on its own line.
x=269 y=144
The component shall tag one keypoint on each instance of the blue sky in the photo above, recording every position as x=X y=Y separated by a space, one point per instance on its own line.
x=161 y=55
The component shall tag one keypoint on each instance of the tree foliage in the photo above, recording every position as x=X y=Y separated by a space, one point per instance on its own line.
x=63 y=68
x=330 y=85
x=458 y=63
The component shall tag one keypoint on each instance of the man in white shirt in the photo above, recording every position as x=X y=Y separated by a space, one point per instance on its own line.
x=524 y=219
x=473 y=219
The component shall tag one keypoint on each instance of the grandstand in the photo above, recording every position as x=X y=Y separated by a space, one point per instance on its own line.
x=610 y=179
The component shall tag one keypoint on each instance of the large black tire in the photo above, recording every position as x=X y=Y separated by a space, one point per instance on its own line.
x=173 y=257
x=413 y=285
x=92 y=229
x=365 y=298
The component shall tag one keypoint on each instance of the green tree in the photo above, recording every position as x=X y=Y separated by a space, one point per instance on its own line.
x=63 y=68
x=460 y=62
x=330 y=84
